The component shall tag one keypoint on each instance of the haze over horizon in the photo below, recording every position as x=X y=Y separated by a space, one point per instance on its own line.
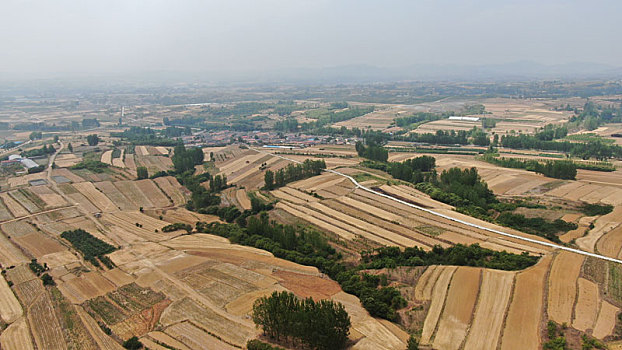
x=116 y=37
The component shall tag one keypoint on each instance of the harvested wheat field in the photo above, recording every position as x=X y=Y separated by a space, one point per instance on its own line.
x=606 y=320
x=10 y=309
x=438 y=296
x=522 y=327
x=458 y=309
x=196 y=338
x=587 y=305
x=95 y=196
x=14 y=207
x=370 y=333
x=38 y=244
x=66 y=160
x=133 y=193
x=149 y=188
x=120 y=201
x=425 y=284
x=17 y=336
x=493 y=300
x=602 y=226
x=171 y=187
x=243 y=199
x=107 y=157
x=129 y=161
x=563 y=286
x=50 y=197
x=44 y=325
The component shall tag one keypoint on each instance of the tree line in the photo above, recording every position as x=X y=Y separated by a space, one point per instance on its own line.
x=372 y=151
x=584 y=150
x=415 y=170
x=559 y=169
x=323 y=324
x=185 y=159
x=292 y=173
x=43 y=151
x=458 y=255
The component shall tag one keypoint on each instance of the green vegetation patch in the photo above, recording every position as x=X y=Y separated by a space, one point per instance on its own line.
x=430 y=230
x=293 y=173
x=93 y=165
x=589 y=137
x=460 y=255
x=89 y=245
x=106 y=310
x=323 y=325
x=33 y=198
x=615 y=281
x=596 y=209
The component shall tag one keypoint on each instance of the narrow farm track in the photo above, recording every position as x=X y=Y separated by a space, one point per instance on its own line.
x=505 y=234
x=39 y=213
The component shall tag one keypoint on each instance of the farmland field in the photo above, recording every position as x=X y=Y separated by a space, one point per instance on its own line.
x=524 y=314
x=188 y=288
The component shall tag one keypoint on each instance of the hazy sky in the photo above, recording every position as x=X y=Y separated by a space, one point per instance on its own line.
x=188 y=35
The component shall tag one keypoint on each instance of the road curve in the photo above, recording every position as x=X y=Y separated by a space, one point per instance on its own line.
x=526 y=239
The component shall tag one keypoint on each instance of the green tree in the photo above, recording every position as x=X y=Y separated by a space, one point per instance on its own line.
x=185 y=159
x=133 y=344
x=92 y=139
x=142 y=173
x=35 y=135
x=269 y=179
x=321 y=325
x=70 y=147
x=413 y=343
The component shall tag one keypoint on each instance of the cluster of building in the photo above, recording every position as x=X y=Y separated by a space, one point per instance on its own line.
x=27 y=163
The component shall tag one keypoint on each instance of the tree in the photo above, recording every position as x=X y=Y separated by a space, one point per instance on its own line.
x=412 y=344
x=70 y=147
x=55 y=138
x=47 y=280
x=269 y=179
x=321 y=325
x=35 y=135
x=142 y=172
x=133 y=344
x=92 y=139
x=185 y=159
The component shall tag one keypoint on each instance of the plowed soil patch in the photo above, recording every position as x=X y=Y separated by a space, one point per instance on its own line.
x=306 y=286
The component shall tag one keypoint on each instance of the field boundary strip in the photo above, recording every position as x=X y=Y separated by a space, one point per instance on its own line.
x=526 y=239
